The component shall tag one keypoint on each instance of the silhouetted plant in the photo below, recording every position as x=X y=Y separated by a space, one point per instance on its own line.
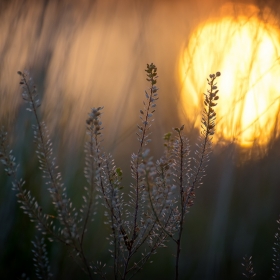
x=41 y=261
x=276 y=255
x=177 y=171
x=248 y=264
x=161 y=194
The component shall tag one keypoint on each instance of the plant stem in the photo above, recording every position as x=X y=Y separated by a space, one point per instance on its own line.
x=182 y=207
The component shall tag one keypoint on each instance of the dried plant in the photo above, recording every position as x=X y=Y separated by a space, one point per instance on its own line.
x=276 y=255
x=248 y=264
x=161 y=191
x=173 y=185
x=41 y=261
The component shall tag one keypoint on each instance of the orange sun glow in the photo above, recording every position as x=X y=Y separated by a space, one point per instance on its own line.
x=245 y=48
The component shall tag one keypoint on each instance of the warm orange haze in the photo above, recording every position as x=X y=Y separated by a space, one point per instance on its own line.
x=245 y=46
x=82 y=58
x=89 y=53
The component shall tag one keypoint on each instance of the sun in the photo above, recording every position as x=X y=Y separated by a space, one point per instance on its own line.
x=245 y=48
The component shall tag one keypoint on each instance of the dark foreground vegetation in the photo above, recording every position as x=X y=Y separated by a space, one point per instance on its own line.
x=143 y=217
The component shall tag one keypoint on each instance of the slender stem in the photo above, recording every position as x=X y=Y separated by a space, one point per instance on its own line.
x=91 y=188
x=41 y=135
x=125 y=271
x=204 y=147
x=111 y=208
x=137 y=165
x=48 y=165
x=54 y=184
x=182 y=207
x=84 y=259
x=155 y=213
x=118 y=221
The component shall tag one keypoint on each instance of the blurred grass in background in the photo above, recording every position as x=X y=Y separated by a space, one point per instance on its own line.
x=83 y=54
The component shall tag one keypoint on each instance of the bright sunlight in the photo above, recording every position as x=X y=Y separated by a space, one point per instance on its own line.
x=244 y=45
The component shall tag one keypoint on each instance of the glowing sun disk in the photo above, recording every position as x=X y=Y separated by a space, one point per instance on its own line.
x=246 y=50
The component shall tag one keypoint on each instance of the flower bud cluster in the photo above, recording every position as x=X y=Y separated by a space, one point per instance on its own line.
x=152 y=73
x=146 y=114
x=210 y=101
x=29 y=91
x=94 y=120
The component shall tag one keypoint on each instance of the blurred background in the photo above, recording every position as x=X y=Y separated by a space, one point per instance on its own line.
x=86 y=53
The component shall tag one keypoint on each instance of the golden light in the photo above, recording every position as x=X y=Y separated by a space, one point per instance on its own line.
x=245 y=47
